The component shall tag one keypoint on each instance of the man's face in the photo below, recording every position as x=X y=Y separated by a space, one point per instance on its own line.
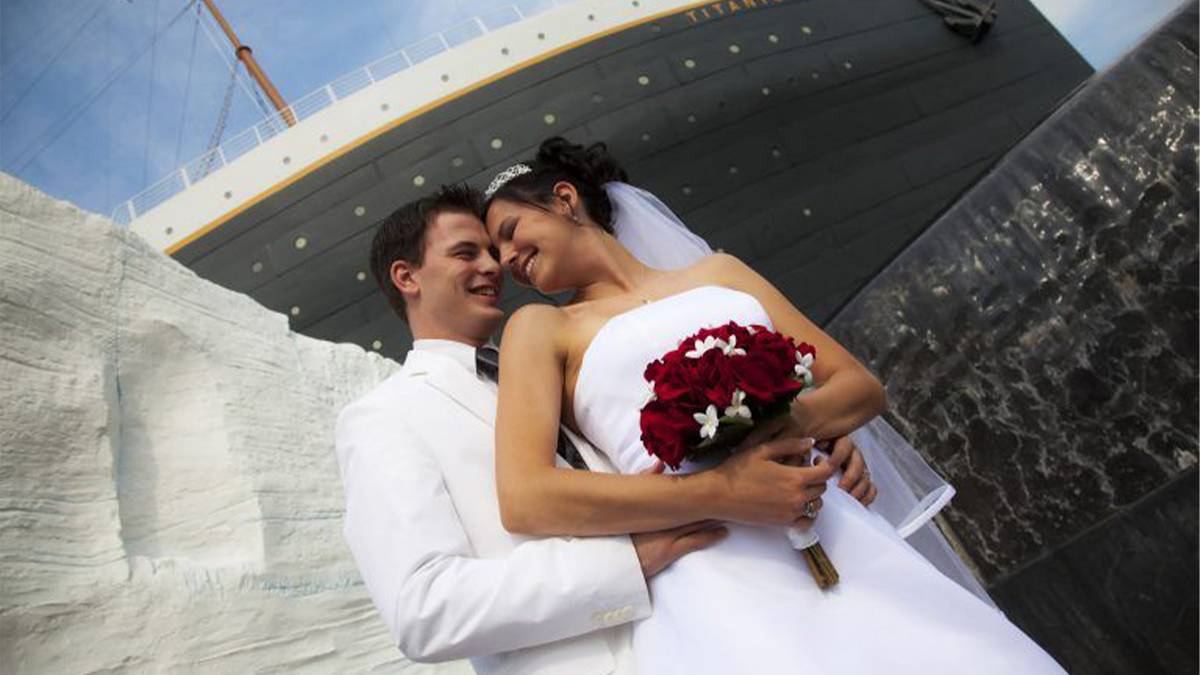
x=459 y=282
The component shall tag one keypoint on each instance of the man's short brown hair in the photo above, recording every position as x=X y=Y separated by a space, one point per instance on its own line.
x=401 y=236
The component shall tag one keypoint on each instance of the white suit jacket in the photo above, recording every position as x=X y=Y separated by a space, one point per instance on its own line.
x=422 y=520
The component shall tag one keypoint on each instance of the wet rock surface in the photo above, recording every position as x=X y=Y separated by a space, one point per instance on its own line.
x=1039 y=344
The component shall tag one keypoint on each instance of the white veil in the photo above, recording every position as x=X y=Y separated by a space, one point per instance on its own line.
x=911 y=493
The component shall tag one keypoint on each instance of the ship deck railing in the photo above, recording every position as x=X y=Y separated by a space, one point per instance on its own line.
x=306 y=106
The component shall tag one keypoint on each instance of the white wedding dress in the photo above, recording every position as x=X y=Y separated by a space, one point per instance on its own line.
x=748 y=604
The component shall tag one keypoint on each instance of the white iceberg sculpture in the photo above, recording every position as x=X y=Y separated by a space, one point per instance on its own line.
x=169 y=496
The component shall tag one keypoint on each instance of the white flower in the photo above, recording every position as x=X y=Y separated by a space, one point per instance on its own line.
x=732 y=349
x=736 y=407
x=805 y=360
x=804 y=368
x=648 y=395
x=710 y=342
x=708 y=422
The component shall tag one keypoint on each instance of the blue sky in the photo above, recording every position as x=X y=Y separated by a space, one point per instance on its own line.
x=92 y=110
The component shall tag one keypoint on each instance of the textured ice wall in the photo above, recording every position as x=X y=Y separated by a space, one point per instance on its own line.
x=169 y=497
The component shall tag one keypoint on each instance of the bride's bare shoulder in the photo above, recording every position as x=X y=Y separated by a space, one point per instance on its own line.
x=534 y=323
x=720 y=268
x=536 y=315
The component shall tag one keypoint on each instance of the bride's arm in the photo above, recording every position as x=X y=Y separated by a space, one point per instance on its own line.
x=536 y=497
x=848 y=395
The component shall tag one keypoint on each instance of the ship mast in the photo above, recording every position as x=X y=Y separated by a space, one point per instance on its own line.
x=246 y=56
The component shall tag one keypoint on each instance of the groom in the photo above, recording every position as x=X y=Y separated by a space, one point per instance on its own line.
x=416 y=460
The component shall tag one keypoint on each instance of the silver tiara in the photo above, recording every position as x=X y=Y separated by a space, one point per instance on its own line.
x=505 y=176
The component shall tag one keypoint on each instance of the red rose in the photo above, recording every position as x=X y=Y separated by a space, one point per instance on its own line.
x=668 y=432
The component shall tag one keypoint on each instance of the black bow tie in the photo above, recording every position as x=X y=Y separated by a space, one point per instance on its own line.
x=487 y=366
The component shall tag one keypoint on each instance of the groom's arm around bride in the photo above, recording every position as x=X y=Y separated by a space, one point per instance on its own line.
x=417 y=460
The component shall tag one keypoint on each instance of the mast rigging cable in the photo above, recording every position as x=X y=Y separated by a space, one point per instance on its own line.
x=187 y=88
x=51 y=62
x=56 y=130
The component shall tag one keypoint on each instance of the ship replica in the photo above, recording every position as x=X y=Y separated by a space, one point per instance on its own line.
x=1014 y=254
x=824 y=131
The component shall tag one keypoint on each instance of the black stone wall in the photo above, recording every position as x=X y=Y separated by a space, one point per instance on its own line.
x=1039 y=343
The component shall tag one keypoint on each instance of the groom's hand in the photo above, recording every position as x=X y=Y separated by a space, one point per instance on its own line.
x=856 y=479
x=657 y=550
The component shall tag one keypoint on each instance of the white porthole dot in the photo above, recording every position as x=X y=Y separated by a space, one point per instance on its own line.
x=645 y=136
x=691 y=119
x=457 y=162
x=735 y=49
x=643 y=80
x=847 y=65
x=360 y=211
x=377 y=345
x=418 y=180
x=806 y=30
x=807 y=213
x=686 y=189
x=256 y=267
x=689 y=63
x=549 y=118
x=816 y=75
x=497 y=143
x=733 y=171
x=773 y=39
x=361 y=276
x=295 y=311
x=776 y=153
x=766 y=91
x=597 y=98
x=300 y=242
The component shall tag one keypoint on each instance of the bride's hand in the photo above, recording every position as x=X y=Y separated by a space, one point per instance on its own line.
x=843 y=454
x=756 y=485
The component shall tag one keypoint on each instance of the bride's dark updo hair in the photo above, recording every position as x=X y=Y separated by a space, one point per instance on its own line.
x=558 y=159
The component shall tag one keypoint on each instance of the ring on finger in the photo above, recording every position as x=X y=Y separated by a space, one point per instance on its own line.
x=810 y=509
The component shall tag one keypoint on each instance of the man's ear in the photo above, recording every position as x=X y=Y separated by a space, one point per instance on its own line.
x=404 y=278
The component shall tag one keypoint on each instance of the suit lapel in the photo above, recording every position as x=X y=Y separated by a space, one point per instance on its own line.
x=469 y=392
x=461 y=386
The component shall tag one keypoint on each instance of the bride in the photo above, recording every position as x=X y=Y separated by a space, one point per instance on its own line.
x=747 y=604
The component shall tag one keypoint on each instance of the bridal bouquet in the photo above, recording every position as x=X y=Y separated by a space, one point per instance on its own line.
x=706 y=395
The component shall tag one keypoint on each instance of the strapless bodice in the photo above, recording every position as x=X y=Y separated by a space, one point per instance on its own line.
x=610 y=388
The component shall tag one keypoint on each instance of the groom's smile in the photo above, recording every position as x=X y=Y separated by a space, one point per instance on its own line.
x=460 y=280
